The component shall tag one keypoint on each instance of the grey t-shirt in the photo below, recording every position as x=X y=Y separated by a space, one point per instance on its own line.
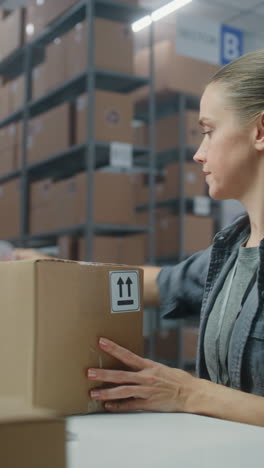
x=247 y=263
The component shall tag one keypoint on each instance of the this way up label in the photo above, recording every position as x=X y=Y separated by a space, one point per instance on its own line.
x=124 y=291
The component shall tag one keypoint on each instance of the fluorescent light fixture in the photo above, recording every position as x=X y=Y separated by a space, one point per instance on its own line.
x=158 y=14
x=142 y=23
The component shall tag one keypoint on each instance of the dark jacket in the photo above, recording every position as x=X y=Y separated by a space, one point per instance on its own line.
x=191 y=287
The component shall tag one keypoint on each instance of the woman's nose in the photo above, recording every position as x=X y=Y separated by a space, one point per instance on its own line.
x=199 y=156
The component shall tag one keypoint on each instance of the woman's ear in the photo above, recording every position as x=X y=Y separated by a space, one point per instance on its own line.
x=259 y=140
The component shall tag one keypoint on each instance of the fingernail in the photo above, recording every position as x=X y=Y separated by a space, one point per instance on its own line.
x=94 y=394
x=91 y=373
x=103 y=342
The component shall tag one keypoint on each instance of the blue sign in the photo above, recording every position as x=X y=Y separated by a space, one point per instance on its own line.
x=232 y=44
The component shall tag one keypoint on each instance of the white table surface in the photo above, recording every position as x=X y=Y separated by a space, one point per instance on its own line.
x=161 y=440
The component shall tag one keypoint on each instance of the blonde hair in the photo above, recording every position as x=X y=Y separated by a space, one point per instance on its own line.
x=243 y=81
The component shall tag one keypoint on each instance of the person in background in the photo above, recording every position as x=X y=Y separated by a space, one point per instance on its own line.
x=223 y=284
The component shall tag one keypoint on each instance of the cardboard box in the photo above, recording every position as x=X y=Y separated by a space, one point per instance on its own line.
x=39 y=81
x=173 y=72
x=50 y=326
x=10 y=197
x=4 y=101
x=52 y=72
x=65 y=201
x=49 y=133
x=68 y=248
x=113 y=116
x=110 y=207
x=194 y=183
x=30 y=440
x=16 y=90
x=167 y=135
x=128 y=250
x=166 y=343
x=42 y=212
x=34 y=21
x=12 y=32
x=199 y=232
x=52 y=10
x=113 y=47
x=10 y=147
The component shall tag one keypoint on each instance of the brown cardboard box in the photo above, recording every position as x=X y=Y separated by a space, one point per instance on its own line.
x=128 y=250
x=167 y=132
x=113 y=47
x=42 y=212
x=199 y=231
x=65 y=201
x=142 y=188
x=113 y=198
x=113 y=117
x=10 y=209
x=173 y=72
x=10 y=147
x=68 y=248
x=4 y=101
x=52 y=10
x=49 y=133
x=11 y=34
x=16 y=89
x=52 y=72
x=39 y=81
x=166 y=343
x=50 y=326
x=29 y=440
x=34 y=21
x=194 y=180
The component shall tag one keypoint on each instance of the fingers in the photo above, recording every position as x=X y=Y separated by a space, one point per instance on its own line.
x=112 y=376
x=124 y=355
x=121 y=393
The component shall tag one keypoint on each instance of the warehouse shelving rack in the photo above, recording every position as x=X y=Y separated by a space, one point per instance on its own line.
x=170 y=104
x=92 y=154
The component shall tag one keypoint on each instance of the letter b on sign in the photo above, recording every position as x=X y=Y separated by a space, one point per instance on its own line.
x=231 y=44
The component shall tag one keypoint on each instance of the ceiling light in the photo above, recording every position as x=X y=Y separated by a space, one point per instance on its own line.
x=158 y=14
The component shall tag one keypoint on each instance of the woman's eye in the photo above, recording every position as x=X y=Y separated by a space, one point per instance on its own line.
x=207 y=133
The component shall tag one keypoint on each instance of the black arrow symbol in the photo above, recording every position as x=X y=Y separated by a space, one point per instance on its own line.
x=129 y=282
x=120 y=284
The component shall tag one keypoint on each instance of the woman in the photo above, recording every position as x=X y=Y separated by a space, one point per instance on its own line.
x=225 y=284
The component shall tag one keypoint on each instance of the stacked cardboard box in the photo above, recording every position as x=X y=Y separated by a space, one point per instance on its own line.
x=173 y=72
x=52 y=315
x=199 y=232
x=11 y=96
x=167 y=184
x=49 y=133
x=52 y=72
x=166 y=343
x=10 y=148
x=30 y=439
x=11 y=32
x=167 y=132
x=10 y=197
x=113 y=47
x=57 y=205
x=112 y=118
x=129 y=250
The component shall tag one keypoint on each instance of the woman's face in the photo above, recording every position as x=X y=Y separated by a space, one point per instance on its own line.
x=227 y=151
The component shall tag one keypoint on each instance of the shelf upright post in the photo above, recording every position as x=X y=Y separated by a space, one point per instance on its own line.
x=90 y=143
x=152 y=152
x=181 y=215
x=153 y=315
x=24 y=182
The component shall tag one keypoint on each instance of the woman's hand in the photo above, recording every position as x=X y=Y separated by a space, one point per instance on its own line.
x=149 y=386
